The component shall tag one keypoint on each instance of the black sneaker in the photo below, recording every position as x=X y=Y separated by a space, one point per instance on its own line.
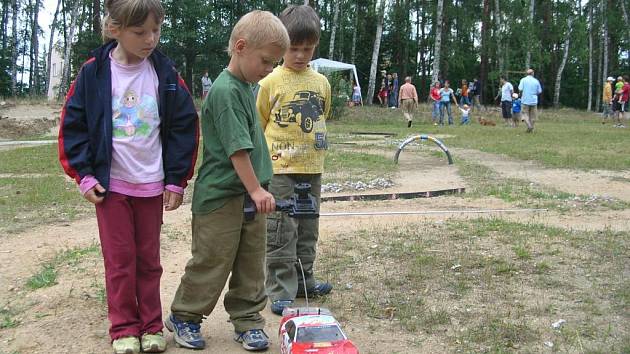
x=409 y=124
x=320 y=289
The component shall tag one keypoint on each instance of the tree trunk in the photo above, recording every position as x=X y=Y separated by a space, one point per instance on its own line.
x=528 y=56
x=375 y=51
x=96 y=16
x=406 y=33
x=605 y=40
x=626 y=22
x=438 y=42
x=51 y=45
x=14 y=51
x=422 y=50
x=590 y=58
x=567 y=38
x=35 y=44
x=499 y=35
x=331 y=47
x=65 y=79
x=5 y=23
x=354 y=32
x=483 y=66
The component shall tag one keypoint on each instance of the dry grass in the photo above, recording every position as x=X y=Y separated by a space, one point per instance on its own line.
x=485 y=285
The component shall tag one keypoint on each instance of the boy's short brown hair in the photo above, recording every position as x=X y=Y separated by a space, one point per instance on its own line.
x=302 y=23
x=259 y=28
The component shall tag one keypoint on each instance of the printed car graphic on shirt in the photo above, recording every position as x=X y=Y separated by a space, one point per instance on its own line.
x=305 y=109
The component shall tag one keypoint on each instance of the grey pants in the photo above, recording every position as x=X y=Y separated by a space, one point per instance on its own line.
x=289 y=239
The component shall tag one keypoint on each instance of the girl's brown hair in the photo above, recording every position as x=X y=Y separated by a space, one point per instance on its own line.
x=128 y=13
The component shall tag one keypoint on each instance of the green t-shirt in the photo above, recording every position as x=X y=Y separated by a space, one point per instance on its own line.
x=229 y=123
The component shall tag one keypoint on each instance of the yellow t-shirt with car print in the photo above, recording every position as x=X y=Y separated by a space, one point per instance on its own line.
x=293 y=107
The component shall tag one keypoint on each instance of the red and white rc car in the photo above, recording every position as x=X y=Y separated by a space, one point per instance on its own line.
x=312 y=330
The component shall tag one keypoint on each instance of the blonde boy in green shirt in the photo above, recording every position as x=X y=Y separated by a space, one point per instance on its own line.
x=235 y=166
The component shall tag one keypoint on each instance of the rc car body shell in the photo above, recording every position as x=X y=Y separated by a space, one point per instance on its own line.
x=312 y=330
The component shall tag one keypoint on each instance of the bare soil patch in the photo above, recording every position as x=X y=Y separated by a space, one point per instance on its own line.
x=28 y=120
x=605 y=183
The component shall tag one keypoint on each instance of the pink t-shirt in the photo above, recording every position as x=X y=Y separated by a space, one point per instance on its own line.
x=136 y=146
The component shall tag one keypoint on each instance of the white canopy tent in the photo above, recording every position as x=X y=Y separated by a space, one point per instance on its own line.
x=327 y=65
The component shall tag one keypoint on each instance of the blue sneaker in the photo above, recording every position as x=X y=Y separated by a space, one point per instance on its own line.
x=186 y=334
x=278 y=306
x=320 y=289
x=252 y=340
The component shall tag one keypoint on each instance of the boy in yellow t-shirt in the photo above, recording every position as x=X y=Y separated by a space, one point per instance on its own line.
x=293 y=103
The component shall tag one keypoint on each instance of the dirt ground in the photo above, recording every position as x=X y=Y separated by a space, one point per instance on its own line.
x=70 y=317
x=28 y=121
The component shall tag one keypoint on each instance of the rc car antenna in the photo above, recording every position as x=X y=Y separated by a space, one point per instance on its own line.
x=303 y=283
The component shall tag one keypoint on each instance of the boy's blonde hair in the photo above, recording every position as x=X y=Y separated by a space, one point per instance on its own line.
x=259 y=28
x=128 y=13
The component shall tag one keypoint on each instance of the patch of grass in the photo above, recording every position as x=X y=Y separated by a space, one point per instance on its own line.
x=46 y=277
x=28 y=202
x=497 y=335
x=7 y=319
x=542 y=267
x=341 y=166
x=522 y=252
x=75 y=255
x=573 y=133
x=36 y=159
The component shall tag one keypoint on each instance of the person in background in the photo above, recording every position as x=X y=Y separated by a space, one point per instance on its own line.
x=516 y=109
x=529 y=88
x=356 y=95
x=206 y=83
x=382 y=95
x=446 y=94
x=607 y=96
x=465 y=109
x=475 y=92
x=393 y=100
x=465 y=93
x=434 y=95
x=408 y=100
x=506 y=101
x=625 y=96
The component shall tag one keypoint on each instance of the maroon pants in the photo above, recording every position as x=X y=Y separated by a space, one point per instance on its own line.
x=129 y=229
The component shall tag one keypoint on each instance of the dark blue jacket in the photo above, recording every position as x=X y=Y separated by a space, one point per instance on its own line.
x=85 y=133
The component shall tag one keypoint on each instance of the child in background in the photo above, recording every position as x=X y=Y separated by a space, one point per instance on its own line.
x=382 y=95
x=516 y=109
x=465 y=109
x=297 y=148
x=235 y=169
x=130 y=161
x=356 y=95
